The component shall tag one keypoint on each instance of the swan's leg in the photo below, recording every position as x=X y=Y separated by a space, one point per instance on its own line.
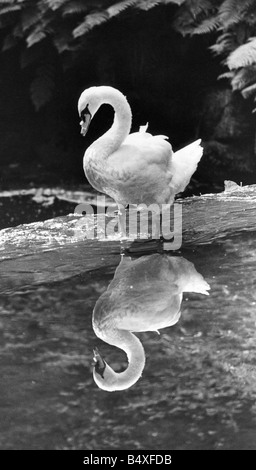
x=122 y=219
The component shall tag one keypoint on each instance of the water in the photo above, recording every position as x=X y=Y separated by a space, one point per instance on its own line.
x=198 y=388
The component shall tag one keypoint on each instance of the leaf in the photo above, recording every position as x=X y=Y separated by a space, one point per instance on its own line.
x=148 y=4
x=207 y=26
x=228 y=75
x=177 y=2
x=226 y=42
x=228 y=9
x=249 y=91
x=192 y=14
x=97 y=18
x=119 y=7
x=233 y=12
x=36 y=36
x=10 y=9
x=90 y=21
x=75 y=7
x=242 y=78
x=243 y=56
x=55 y=4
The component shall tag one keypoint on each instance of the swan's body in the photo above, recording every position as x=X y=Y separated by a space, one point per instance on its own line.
x=145 y=295
x=133 y=168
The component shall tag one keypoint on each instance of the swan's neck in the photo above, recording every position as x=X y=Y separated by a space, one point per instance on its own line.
x=113 y=138
x=133 y=348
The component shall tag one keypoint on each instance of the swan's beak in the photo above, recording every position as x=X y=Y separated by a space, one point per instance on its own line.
x=98 y=362
x=85 y=124
x=86 y=117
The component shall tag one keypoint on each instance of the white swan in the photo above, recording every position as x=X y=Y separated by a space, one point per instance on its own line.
x=133 y=168
x=145 y=295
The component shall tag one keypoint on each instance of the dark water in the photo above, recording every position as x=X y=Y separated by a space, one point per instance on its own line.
x=198 y=388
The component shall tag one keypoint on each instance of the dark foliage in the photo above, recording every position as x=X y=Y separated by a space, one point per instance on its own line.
x=165 y=59
x=234 y=22
x=61 y=25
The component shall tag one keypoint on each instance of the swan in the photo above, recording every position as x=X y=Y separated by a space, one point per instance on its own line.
x=144 y=295
x=135 y=168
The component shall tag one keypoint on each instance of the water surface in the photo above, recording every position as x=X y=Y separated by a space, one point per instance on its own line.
x=198 y=388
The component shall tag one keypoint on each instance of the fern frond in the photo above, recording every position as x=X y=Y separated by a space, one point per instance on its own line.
x=233 y=12
x=245 y=7
x=238 y=80
x=10 y=9
x=226 y=42
x=227 y=9
x=196 y=17
x=7 y=1
x=55 y=4
x=199 y=7
x=97 y=18
x=36 y=36
x=42 y=87
x=75 y=7
x=207 y=26
x=247 y=4
x=218 y=49
x=243 y=78
x=90 y=21
x=249 y=91
x=101 y=16
x=176 y=2
x=148 y=4
x=228 y=75
x=243 y=56
x=119 y=7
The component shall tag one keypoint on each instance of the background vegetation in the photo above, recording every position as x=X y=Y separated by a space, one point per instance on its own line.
x=187 y=66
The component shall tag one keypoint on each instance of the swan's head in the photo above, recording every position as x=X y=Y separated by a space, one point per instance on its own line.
x=92 y=98
x=88 y=104
x=103 y=375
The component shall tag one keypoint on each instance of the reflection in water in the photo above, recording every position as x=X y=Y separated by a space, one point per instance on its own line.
x=198 y=389
x=145 y=295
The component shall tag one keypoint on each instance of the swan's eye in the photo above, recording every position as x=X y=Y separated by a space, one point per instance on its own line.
x=85 y=112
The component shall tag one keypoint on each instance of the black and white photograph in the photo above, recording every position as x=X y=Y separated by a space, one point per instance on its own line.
x=127 y=228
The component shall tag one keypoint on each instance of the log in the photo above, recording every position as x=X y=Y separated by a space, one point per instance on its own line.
x=54 y=249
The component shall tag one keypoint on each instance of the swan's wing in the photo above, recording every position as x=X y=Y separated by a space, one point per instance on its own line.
x=183 y=164
x=142 y=152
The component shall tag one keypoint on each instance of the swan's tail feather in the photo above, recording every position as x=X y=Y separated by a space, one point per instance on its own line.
x=184 y=164
x=143 y=130
x=188 y=278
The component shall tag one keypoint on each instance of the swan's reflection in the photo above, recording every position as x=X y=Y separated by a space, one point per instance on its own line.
x=145 y=295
